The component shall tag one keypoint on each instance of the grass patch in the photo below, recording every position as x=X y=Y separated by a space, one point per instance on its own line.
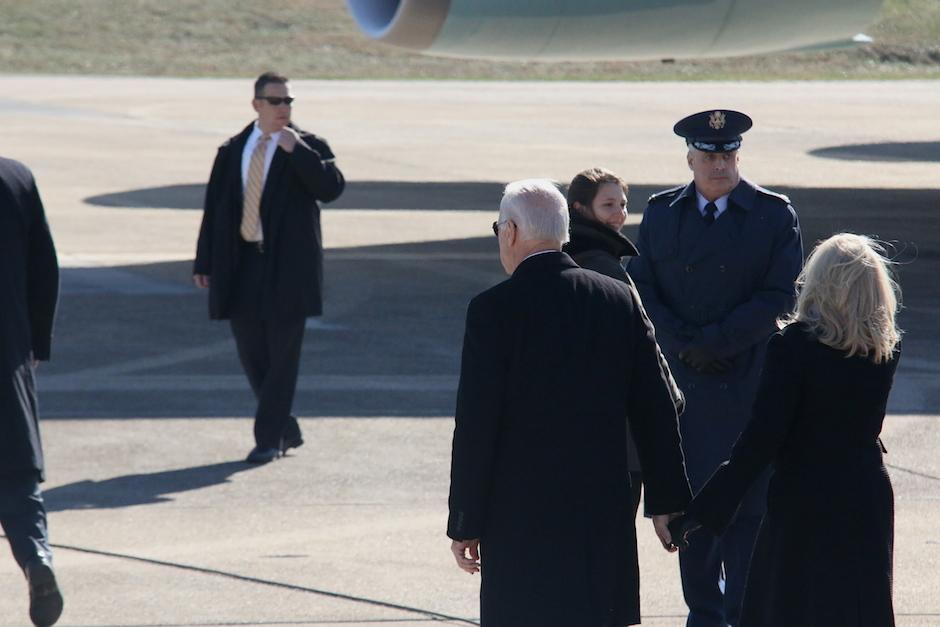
x=318 y=39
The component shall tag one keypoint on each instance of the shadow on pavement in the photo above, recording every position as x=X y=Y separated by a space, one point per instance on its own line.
x=387 y=195
x=899 y=151
x=142 y=489
x=389 y=343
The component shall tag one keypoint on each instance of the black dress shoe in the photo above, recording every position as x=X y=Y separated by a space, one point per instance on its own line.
x=291 y=442
x=45 y=600
x=680 y=528
x=260 y=455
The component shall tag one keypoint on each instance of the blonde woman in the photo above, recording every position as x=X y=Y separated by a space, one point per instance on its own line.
x=824 y=552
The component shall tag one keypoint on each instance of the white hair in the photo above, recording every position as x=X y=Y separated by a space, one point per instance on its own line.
x=538 y=209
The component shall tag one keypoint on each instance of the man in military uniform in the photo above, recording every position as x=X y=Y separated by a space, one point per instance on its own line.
x=717 y=267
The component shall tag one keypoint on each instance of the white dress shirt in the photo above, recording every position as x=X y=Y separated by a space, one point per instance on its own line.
x=541 y=252
x=721 y=203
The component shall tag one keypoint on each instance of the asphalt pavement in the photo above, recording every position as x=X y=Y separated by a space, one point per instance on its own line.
x=157 y=520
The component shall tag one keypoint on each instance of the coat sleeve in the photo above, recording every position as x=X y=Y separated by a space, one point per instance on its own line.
x=42 y=270
x=483 y=373
x=314 y=163
x=653 y=403
x=775 y=409
x=203 y=262
x=753 y=320
x=672 y=333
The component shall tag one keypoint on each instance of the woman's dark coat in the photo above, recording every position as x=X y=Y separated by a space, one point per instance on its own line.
x=600 y=248
x=290 y=218
x=824 y=552
x=539 y=470
x=29 y=282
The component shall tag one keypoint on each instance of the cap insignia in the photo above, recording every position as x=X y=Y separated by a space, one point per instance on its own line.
x=716 y=120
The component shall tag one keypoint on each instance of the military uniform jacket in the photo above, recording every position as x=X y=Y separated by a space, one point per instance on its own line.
x=29 y=283
x=725 y=285
x=290 y=220
x=555 y=361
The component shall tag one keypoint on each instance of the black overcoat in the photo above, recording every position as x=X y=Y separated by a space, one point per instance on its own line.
x=290 y=220
x=725 y=286
x=29 y=283
x=824 y=551
x=556 y=359
x=599 y=248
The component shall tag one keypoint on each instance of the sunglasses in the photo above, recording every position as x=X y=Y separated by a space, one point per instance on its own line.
x=277 y=100
x=496 y=226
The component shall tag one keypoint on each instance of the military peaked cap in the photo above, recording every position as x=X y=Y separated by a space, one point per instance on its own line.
x=718 y=130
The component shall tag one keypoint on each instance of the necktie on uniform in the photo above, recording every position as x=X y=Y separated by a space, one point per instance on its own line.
x=710 y=210
x=251 y=207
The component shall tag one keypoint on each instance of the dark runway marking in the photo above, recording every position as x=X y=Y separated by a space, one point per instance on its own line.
x=375 y=621
x=427 y=614
x=913 y=472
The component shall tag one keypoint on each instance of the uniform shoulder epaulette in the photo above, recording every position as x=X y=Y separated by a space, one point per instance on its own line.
x=672 y=191
x=767 y=192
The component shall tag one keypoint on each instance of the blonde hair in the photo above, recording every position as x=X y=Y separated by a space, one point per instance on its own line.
x=847 y=298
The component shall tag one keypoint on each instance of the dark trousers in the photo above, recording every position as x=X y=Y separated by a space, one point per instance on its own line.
x=269 y=350
x=23 y=516
x=701 y=566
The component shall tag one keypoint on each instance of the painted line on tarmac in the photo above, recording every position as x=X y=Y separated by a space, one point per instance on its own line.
x=913 y=472
x=145 y=363
x=88 y=260
x=427 y=614
x=102 y=279
x=409 y=256
x=233 y=382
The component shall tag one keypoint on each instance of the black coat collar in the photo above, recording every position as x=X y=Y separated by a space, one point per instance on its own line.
x=555 y=260
x=590 y=235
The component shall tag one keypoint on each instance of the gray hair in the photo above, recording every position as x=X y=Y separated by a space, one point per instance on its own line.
x=538 y=209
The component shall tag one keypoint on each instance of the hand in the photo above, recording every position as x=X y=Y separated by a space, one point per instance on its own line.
x=680 y=528
x=703 y=359
x=288 y=139
x=661 y=526
x=460 y=549
x=201 y=280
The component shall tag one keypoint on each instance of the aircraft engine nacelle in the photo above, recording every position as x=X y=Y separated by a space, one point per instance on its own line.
x=611 y=29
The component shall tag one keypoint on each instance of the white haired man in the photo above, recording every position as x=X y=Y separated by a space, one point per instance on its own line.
x=556 y=359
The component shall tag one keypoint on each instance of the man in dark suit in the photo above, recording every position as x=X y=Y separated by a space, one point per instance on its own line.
x=260 y=252
x=29 y=273
x=556 y=359
x=717 y=265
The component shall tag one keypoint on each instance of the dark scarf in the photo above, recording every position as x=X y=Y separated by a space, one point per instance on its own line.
x=588 y=234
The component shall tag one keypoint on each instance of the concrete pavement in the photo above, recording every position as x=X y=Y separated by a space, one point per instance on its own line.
x=159 y=522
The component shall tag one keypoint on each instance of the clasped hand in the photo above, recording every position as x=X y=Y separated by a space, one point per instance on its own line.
x=704 y=359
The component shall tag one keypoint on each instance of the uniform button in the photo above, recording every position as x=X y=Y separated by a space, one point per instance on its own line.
x=688 y=268
x=722 y=268
x=691 y=386
x=724 y=386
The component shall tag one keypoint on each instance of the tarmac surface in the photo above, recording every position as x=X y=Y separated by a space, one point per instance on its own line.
x=157 y=520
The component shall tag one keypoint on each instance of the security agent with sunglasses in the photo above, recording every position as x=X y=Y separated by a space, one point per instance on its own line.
x=260 y=252
x=717 y=265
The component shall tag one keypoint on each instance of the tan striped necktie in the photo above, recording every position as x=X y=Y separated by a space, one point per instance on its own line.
x=251 y=208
